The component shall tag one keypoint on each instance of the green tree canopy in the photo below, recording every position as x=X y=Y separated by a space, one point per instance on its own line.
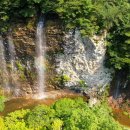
x=65 y=114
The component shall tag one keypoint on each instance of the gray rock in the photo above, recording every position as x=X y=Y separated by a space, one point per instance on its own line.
x=83 y=59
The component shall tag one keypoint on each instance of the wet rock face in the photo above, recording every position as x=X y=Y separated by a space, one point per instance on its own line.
x=20 y=50
x=54 y=41
x=83 y=60
x=21 y=54
x=80 y=59
x=54 y=36
x=24 y=40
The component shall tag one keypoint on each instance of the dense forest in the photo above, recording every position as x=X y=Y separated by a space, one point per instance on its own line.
x=90 y=17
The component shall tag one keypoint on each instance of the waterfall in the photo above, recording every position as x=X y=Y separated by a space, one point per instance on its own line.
x=3 y=68
x=121 y=83
x=118 y=84
x=39 y=62
x=12 y=58
x=12 y=52
x=126 y=83
x=117 y=91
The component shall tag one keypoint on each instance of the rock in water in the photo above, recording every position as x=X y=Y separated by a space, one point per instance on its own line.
x=83 y=59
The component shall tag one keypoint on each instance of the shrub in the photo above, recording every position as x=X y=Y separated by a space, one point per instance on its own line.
x=16 y=120
x=41 y=117
x=82 y=84
x=2 y=100
x=57 y=124
x=2 y=125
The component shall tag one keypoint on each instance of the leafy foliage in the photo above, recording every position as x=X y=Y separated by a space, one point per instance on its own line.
x=80 y=14
x=2 y=100
x=82 y=84
x=89 y=16
x=65 y=114
x=60 y=80
x=57 y=124
x=119 y=48
x=2 y=126
x=41 y=117
x=16 y=120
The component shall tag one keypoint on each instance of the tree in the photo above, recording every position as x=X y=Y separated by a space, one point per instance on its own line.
x=41 y=117
x=16 y=120
x=119 y=47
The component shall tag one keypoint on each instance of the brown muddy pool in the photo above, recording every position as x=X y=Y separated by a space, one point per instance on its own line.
x=23 y=103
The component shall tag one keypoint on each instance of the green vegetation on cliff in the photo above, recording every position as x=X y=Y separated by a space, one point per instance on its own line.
x=119 y=47
x=89 y=16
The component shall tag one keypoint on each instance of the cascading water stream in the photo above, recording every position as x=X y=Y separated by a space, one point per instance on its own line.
x=126 y=83
x=40 y=53
x=12 y=58
x=12 y=52
x=118 y=85
x=117 y=92
x=3 y=68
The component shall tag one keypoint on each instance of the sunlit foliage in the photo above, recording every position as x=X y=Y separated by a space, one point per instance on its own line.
x=65 y=114
x=2 y=105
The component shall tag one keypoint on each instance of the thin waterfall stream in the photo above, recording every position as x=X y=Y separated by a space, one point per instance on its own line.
x=40 y=59
x=117 y=92
x=117 y=85
x=3 y=68
x=12 y=52
x=12 y=58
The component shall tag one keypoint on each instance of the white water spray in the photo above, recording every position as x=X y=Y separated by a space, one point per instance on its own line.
x=40 y=52
x=12 y=52
x=3 y=68
x=12 y=55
